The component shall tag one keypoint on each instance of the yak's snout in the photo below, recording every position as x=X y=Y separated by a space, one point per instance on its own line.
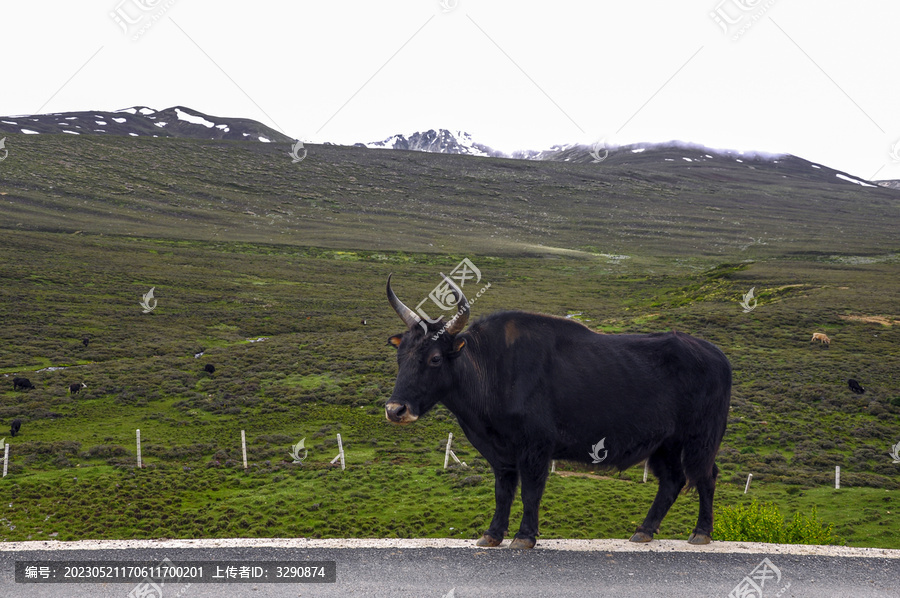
x=399 y=413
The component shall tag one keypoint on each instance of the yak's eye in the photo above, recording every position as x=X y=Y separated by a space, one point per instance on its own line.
x=435 y=360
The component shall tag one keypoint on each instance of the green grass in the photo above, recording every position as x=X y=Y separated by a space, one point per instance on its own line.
x=765 y=523
x=306 y=282
x=320 y=372
x=275 y=499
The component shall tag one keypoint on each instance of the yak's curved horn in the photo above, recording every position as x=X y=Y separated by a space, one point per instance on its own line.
x=409 y=317
x=461 y=318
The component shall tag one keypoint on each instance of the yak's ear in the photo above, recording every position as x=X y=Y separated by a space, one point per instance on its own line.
x=458 y=344
x=394 y=341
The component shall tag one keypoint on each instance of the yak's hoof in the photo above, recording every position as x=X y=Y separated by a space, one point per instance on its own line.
x=488 y=541
x=699 y=539
x=522 y=543
x=641 y=537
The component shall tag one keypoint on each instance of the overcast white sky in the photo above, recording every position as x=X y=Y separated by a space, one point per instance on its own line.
x=816 y=79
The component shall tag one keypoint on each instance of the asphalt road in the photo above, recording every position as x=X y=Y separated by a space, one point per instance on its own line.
x=457 y=569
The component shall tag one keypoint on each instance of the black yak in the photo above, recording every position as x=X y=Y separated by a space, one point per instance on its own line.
x=528 y=388
x=22 y=383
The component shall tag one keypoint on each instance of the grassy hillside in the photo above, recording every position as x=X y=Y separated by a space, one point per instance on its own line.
x=269 y=269
x=648 y=204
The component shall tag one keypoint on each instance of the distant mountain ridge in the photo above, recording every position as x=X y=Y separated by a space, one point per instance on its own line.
x=443 y=141
x=141 y=121
x=183 y=122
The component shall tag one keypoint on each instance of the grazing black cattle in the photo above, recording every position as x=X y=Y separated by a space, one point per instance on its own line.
x=22 y=383
x=73 y=388
x=209 y=368
x=14 y=427
x=855 y=387
x=528 y=388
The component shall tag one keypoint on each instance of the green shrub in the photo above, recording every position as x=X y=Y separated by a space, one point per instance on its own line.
x=764 y=523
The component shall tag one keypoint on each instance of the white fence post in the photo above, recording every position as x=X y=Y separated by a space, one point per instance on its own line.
x=139 y=449
x=244 y=447
x=447 y=452
x=747 y=487
x=5 y=457
x=646 y=465
x=450 y=453
x=552 y=466
x=340 y=454
x=837 y=477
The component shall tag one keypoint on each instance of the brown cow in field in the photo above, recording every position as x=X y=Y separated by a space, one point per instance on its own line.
x=820 y=336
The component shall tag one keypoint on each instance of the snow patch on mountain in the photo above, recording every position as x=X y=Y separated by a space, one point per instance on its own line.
x=193 y=118
x=852 y=180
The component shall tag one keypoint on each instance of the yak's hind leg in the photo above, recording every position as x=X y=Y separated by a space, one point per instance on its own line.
x=705 y=481
x=701 y=470
x=665 y=464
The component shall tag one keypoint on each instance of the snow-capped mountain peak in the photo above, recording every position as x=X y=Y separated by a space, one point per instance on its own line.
x=441 y=141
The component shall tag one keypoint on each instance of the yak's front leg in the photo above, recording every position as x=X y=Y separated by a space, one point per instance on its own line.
x=506 y=478
x=534 y=474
